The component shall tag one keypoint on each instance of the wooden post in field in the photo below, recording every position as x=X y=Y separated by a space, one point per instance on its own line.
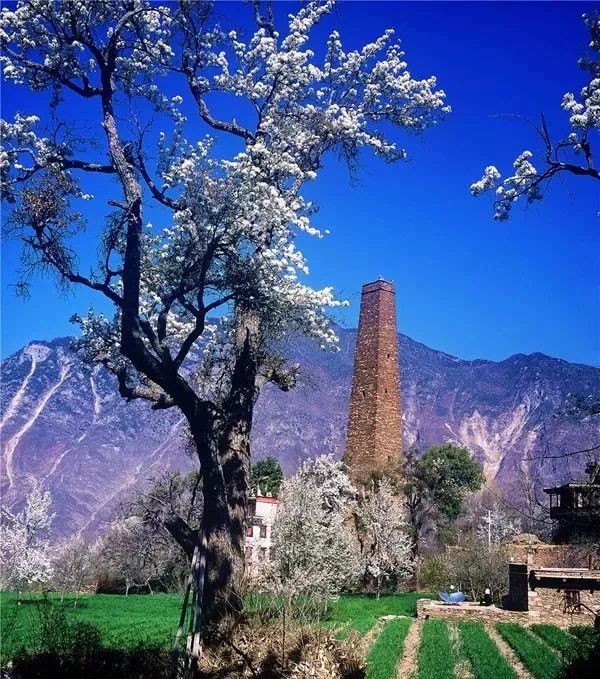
x=194 y=644
x=195 y=587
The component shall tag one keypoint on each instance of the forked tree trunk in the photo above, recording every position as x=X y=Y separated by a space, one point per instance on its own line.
x=222 y=440
x=226 y=484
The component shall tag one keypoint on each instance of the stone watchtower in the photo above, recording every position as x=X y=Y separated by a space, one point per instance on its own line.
x=374 y=439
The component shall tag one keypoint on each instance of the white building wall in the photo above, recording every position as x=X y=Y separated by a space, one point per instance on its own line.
x=261 y=516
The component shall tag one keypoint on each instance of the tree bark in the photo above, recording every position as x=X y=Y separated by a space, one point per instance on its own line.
x=218 y=595
x=234 y=441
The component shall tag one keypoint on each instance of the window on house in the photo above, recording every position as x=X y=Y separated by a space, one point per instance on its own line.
x=262 y=555
x=249 y=531
x=248 y=553
x=263 y=531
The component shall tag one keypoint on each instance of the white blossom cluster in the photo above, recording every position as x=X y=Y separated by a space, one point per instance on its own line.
x=527 y=181
x=25 y=29
x=313 y=552
x=228 y=227
x=584 y=115
x=326 y=537
x=487 y=181
x=101 y=338
x=523 y=182
x=21 y=150
x=386 y=532
x=25 y=556
x=211 y=376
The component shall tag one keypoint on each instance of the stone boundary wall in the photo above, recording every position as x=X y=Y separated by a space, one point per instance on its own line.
x=426 y=608
x=547 y=605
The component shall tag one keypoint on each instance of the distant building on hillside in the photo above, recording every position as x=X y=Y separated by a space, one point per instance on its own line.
x=374 y=438
x=575 y=508
x=262 y=510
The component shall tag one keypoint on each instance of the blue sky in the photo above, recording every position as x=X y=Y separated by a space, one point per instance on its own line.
x=465 y=284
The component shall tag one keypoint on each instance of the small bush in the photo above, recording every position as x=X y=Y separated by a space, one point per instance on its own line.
x=434 y=574
x=103 y=663
x=585 y=633
x=583 y=657
x=58 y=646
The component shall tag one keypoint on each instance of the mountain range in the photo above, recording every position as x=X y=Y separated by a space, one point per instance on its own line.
x=64 y=424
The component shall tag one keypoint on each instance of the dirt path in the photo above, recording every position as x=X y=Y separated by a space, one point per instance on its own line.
x=508 y=653
x=462 y=667
x=408 y=663
x=369 y=638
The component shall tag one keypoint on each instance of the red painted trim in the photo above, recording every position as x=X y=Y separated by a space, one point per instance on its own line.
x=268 y=500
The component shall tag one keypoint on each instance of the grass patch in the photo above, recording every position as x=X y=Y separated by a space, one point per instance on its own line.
x=126 y=622
x=360 y=612
x=123 y=622
x=585 y=633
x=486 y=659
x=435 y=654
x=541 y=662
x=554 y=636
x=383 y=657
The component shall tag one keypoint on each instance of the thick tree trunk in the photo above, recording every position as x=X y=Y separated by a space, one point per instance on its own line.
x=222 y=439
x=234 y=442
x=226 y=482
x=218 y=595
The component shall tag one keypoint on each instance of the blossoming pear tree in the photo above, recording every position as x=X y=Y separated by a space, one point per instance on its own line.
x=571 y=155
x=25 y=554
x=315 y=553
x=223 y=183
x=385 y=535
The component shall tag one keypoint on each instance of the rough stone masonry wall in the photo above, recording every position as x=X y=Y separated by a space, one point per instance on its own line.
x=547 y=606
x=374 y=439
x=543 y=555
x=426 y=608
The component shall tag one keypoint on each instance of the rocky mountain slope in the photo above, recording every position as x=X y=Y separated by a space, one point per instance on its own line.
x=64 y=424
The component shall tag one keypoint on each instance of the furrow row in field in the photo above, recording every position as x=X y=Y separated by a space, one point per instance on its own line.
x=407 y=665
x=382 y=659
x=540 y=660
x=554 y=637
x=462 y=668
x=511 y=657
x=486 y=659
x=435 y=653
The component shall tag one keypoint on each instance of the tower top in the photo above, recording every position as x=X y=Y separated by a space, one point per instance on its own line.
x=379 y=284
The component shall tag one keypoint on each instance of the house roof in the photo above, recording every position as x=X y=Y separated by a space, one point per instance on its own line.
x=573 y=486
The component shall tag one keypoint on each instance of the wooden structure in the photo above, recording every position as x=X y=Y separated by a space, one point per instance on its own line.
x=575 y=507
